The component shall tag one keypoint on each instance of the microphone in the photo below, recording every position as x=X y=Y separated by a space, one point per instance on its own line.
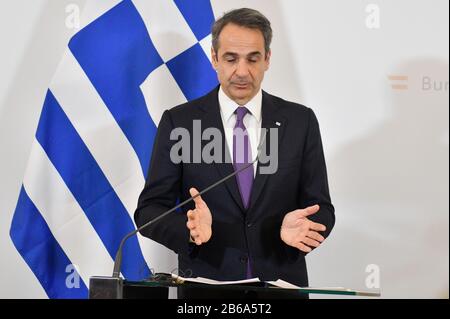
x=118 y=259
x=112 y=287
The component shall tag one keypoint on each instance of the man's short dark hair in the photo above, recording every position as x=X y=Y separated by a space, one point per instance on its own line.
x=248 y=18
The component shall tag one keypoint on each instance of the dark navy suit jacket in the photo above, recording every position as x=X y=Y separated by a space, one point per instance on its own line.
x=238 y=233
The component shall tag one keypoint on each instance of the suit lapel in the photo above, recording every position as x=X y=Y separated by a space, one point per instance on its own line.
x=270 y=118
x=212 y=118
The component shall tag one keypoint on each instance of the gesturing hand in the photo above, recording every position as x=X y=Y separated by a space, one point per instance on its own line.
x=300 y=232
x=199 y=220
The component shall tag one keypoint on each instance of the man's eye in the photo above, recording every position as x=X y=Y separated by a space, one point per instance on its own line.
x=231 y=60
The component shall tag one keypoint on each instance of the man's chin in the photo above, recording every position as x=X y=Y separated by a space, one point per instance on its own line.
x=241 y=93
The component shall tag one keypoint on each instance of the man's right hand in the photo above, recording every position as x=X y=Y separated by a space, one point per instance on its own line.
x=199 y=220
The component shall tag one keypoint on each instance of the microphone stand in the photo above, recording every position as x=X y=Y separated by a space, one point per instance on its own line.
x=111 y=287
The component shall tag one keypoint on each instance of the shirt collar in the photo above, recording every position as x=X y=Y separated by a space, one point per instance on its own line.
x=228 y=106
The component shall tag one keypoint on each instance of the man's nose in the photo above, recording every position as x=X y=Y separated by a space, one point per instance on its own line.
x=242 y=69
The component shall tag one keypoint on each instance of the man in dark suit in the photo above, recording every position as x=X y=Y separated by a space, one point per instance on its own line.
x=255 y=224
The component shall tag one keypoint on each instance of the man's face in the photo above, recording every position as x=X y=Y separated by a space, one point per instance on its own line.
x=241 y=62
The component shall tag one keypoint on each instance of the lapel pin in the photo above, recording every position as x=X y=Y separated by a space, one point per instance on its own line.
x=278 y=123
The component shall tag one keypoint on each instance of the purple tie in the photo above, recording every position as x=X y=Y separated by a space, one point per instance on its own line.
x=242 y=156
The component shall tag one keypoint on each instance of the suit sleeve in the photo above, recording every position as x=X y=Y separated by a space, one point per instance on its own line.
x=161 y=192
x=314 y=181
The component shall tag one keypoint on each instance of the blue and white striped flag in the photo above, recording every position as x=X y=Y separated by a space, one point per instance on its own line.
x=129 y=62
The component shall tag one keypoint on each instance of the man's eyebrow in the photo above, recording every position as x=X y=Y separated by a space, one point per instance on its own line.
x=233 y=54
x=251 y=54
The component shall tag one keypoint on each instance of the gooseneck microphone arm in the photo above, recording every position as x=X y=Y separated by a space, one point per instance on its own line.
x=118 y=259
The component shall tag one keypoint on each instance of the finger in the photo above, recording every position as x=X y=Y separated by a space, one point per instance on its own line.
x=190 y=225
x=316 y=236
x=194 y=234
x=198 y=200
x=193 y=217
x=311 y=242
x=317 y=227
x=198 y=242
x=190 y=214
x=193 y=220
x=303 y=247
x=309 y=210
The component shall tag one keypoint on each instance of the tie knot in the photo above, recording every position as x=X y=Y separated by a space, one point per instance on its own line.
x=240 y=113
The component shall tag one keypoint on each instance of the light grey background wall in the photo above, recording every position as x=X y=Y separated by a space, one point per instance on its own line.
x=386 y=147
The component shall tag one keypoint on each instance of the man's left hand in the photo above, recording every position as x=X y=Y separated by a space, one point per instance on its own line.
x=300 y=232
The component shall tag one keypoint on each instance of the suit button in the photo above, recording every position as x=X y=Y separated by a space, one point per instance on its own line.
x=244 y=259
x=249 y=225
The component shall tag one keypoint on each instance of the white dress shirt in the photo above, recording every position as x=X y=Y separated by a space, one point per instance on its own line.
x=252 y=121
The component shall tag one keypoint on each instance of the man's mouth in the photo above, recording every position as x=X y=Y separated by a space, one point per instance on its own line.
x=241 y=85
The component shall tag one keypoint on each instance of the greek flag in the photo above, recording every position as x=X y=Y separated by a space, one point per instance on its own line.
x=129 y=61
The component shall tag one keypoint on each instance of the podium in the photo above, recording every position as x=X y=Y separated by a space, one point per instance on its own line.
x=158 y=288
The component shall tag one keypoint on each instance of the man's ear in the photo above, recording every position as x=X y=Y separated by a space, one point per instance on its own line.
x=268 y=56
x=214 y=58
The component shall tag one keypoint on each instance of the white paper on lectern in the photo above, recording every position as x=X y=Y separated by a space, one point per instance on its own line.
x=214 y=282
x=284 y=284
x=278 y=283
